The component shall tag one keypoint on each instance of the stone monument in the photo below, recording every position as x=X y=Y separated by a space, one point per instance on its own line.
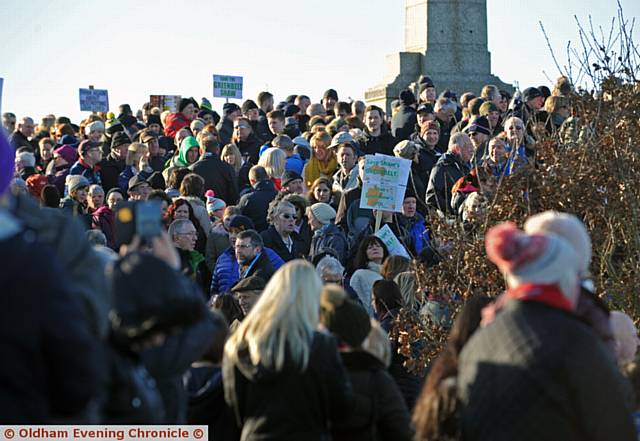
x=445 y=40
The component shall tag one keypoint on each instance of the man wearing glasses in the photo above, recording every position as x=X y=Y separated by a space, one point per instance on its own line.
x=252 y=261
x=331 y=270
x=184 y=236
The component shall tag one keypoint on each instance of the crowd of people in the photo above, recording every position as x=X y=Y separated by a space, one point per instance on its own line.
x=264 y=307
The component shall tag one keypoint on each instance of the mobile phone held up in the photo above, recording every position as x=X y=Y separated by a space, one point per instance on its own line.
x=137 y=218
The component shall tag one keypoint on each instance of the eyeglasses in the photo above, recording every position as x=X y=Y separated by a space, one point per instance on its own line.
x=330 y=280
x=189 y=233
x=243 y=246
x=289 y=216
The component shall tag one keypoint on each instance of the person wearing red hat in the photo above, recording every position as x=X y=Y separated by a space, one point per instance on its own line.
x=536 y=371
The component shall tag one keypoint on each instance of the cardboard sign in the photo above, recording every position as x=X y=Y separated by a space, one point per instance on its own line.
x=94 y=100
x=384 y=182
x=225 y=86
x=165 y=102
x=393 y=244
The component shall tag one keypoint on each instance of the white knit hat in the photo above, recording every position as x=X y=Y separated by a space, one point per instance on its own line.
x=92 y=127
x=567 y=226
x=324 y=213
x=73 y=182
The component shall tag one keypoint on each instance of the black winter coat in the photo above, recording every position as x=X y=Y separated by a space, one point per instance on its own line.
x=262 y=268
x=380 y=144
x=408 y=383
x=51 y=364
x=403 y=123
x=273 y=240
x=110 y=169
x=538 y=373
x=378 y=411
x=331 y=238
x=289 y=405
x=446 y=172
x=255 y=204
x=250 y=148
x=218 y=176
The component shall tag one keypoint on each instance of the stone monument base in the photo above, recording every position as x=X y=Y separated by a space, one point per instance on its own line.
x=404 y=69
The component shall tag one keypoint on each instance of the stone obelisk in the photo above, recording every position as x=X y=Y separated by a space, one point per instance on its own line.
x=445 y=40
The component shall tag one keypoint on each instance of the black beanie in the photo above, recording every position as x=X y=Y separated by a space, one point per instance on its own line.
x=119 y=138
x=154 y=119
x=407 y=97
x=248 y=105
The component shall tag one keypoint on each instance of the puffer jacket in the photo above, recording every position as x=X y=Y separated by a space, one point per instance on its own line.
x=226 y=272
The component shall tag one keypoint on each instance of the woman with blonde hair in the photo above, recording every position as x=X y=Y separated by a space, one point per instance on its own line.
x=231 y=155
x=274 y=160
x=282 y=378
x=323 y=162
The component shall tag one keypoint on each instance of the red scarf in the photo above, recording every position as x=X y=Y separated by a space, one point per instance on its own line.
x=95 y=168
x=548 y=294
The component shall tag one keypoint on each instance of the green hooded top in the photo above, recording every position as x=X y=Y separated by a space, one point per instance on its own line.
x=187 y=144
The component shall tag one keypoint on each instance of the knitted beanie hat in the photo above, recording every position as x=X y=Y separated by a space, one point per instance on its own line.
x=544 y=259
x=92 y=127
x=567 y=226
x=324 y=213
x=213 y=203
x=74 y=182
x=343 y=317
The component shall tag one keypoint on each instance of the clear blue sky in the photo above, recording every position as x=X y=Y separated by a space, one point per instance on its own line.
x=50 y=48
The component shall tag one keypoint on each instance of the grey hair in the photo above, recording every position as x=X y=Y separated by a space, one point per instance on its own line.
x=458 y=139
x=96 y=237
x=444 y=104
x=177 y=226
x=329 y=264
x=275 y=208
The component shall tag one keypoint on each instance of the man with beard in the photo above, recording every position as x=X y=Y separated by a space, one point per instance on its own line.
x=252 y=259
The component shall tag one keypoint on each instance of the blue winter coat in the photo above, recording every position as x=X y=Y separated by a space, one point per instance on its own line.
x=226 y=272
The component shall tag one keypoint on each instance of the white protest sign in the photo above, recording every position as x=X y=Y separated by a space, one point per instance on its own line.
x=394 y=246
x=225 y=86
x=384 y=182
x=94 y=100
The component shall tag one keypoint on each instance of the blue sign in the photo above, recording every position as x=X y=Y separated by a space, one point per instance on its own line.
x=225 y=86
x=94 y=100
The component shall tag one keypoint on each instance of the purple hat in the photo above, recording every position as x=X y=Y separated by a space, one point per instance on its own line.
x=7 y=155
x=67 y=153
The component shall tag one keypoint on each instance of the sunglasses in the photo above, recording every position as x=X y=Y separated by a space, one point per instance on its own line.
x=289 y=216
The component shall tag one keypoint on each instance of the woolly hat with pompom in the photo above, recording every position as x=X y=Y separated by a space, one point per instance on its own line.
x=213 y=203
x=544 y=259
x=567 y=226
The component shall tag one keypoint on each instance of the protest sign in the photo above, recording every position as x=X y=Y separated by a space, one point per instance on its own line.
x=394 y=246
x=384 y=182
x=165 y=102
x=225 y=86
x=94 y=100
